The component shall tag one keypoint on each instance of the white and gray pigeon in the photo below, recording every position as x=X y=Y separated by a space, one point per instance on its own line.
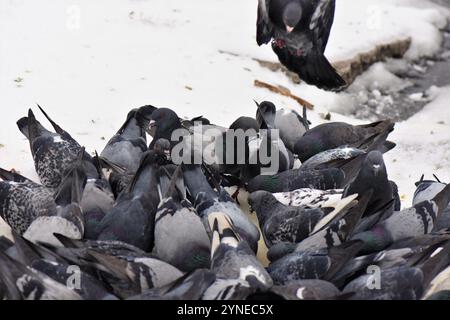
x=409 y=223
x=300 y=30
x=180 y=235
x=53 y=153
x=280 y=223
x=427 y=190
x=232 y=258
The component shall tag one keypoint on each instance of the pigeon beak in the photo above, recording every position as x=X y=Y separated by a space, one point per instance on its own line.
x=376 y=169
x=151 y=128
x=167 y=154
x=289 y=29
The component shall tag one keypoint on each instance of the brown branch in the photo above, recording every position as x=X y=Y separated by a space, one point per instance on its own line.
x=284 y=92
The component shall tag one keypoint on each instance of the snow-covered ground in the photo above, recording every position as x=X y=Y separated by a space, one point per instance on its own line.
x=88 y=62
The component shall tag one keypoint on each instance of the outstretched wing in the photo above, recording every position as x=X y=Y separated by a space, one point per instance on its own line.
x=321 y=23
x=264 y=28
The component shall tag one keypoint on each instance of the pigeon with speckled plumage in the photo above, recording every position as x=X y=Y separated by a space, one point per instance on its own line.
x=53 y=153
x=309 y=198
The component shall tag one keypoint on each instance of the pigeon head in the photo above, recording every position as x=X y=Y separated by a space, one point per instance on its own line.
x=143 y=115
x=163 y=146
x=265 y=114
x=163 y=122
x=263 y=203
x=292 y=14
x=374 y=164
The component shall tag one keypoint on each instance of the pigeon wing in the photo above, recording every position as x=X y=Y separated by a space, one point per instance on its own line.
x=264 y=28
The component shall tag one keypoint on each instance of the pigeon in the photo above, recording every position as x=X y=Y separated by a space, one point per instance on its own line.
x=411 y=222
x=322 y=264
x=132 y=218
x=426 y=190
x=294 y=179
x=332 y=135
x=126 y=147
x=312 y=289
x=53 y=153
x=290 y=124
x=22 y=282
x=180 y=236
x=373 y=175
x=232 y=258
x=309 y=198
x=300 y=30
x=207 y=201
x=343 y=153
x=36 y=213
x=280 y=223
x=163 y=123
x=400 y=283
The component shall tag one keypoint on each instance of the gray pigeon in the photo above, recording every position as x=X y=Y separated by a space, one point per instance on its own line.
x=180 y=235
x=53 y=153
x=126 y=147
x=300 y=30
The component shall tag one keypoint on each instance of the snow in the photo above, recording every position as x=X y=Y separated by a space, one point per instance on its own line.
x=87 y=63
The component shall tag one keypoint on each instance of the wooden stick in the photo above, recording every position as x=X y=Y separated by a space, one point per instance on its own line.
x=285 y=92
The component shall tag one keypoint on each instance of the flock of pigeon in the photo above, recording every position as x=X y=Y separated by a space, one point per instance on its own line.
x=131 y=224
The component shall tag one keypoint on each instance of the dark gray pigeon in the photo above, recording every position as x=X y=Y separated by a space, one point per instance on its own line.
x=297 y=179
x=126 y=147
x=300 y=30
x=232 y=258
x=180 y=235
x=332 y=135
x=53 y=153
x=133 y=216
x=373 y=176
x=290 y=124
